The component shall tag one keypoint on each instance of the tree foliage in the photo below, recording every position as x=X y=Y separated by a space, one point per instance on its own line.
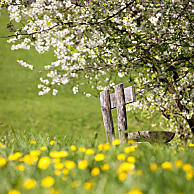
x=101 y=40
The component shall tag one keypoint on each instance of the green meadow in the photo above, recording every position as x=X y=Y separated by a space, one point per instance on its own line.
x=47 y=124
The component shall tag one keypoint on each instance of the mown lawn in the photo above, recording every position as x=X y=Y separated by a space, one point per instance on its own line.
x=29 y=122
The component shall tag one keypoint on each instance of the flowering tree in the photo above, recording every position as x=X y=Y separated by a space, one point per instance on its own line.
x=149 y=42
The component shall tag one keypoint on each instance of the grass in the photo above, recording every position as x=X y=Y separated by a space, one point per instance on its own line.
x=73 y=119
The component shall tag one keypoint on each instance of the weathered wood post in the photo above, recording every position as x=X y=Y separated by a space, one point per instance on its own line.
x=121 y=112
x=107 y=116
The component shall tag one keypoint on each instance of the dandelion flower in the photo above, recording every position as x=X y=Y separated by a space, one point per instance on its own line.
x=105 y=167
x=73 y=148
x=82 y=149
x=52 y=142
x=32 y=142
x=100 y=147
x=131 y=159
x=13 y=191
x=187 y=167
x=89 y=151
x=47 y=181
x=95 y=172
x=43 y=148
x=20 y=167
x=116 y=142
x=88 y=185
x=153 y=166
x=69 y=164
x=122 y=176
x=106 y=146
x=126 y=166
x=135 y=191
x=99 y=157
x=58 y=154
x=44 y=162
x=3 y=161
x=14 y=156
x=59 y=166
x=83 y=164
x=129 y=149
x=65 y=171
x=75 y=184
x=166 y=165
x=29 y=184
x=178 y=163
x=121 y=157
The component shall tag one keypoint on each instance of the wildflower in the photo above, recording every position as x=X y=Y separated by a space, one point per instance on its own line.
x=15 y=156
x=3 y=161
x=89 y=151
x=65 y=171
x=131 y=159
x=57 y=160
x=35 y=153
x=43 y=148
x=59 y=166
x=44 y=162
x=106 y=146
x=191 y=145
x=121 y=157
x=73 y=148
x=178 y=163
x=131 y=141
x=29 y=159
x=83 y=164
x=52 y=142
x=189 y=175
x=100 y=147
x=182 y=148
x=53 y=191
x=116 y=142
x=88 y=185
x=20 y=167
x=166 y=165
x=129 y=149
x=153 y=167
x=82 y=149
x=187 y=167
x=13 y=191
x=95 y=172
x=122 y=176
x=174 y=152
x=105 y=167
x=75 y=184
x=47 y=181
x=2 y=145
x=126 y=166
x=58 y=154
x=135 y=191
x=139 y=172
x=57 y=172
x=29 y=184
x=70 y=164
x=32 y=142
x=99 y=157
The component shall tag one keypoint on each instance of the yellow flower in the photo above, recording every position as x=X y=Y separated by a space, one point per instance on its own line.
x=189 y=175
x=57 y=160
x=57 y=172
x=3 y=161
x=13 y=191
x=29 y=159
x=82 y=149
x=65 y=171
x=116 y=142
x=43 y=148
x=153 y=167
x=58 y=154
x=187 y=167
x=83 y=164
x=131 y=159
x=95 y=172
x=122 y=176
x=99 y=157
x=121 y=157
x=135 y=191
x=53 y=191
x=73 y=148
x=44 y=162
x=100 y=147
x=129 y=149
x=88 y=185
x=106 y=146
x=89 y=151
x=52 y=142
x=182 y=148
x=2 y=145
x=75 y=184
x=32 y=142
x=191 y=145
x=59 y=166
x=131 y=141
x=35 y=153
x=178 y=163
x=139 y=172
x=29 y=184
x=70 y=164
x=20 y=167
x=105 y=167
x=166 y=165
x=47 y=181
x=14 y=156
x=174 y=152
x=126 y=166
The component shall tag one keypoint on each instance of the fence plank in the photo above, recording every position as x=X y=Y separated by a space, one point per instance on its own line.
x=121 y=112
x=107 y=116
x=129 y=93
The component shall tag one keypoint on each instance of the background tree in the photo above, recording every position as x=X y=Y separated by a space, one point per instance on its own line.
x=149 y=42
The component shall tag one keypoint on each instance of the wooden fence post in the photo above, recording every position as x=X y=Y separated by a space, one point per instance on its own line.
x=107 y=116
x=121 y=112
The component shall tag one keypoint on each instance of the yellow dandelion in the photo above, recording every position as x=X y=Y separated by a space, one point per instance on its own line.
x=121 y=156
x=106 y=146
x=189 y=175
x=105 y=167
x=59 y=166
x=82 y=149
x=73 y=148
x=69 y=164
x=83 y=164
x=131 y=141
x=100 y=147
x=14 y=156
x=153 y=166
x=122 y=176
x=53 y=191
x=29 y=183
x=32 y=142
x=88 y=185
x=29 y=159
x=178 y=163
x=99 y=157
x=52 y=142
x=35 y=153
x=3 y=161
x=58 y=154
x=139 y=172
x=75 y=184
x=135 y=191
x=182 y=148
x=116 y=142
x=57 y=160
x=95 y=171
x=47 y=181
x=126 y=166
x=43 y=148
x=65 y=171
x=44 y=163
x=89 y=151
x=191 y=145
x=57 y=172
x=130 y=149
x=131 y=159
x=174 y=152
x=166 y=165
x=187 y=167
x=2 y=145
x=13 y=191
x=20 y=167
